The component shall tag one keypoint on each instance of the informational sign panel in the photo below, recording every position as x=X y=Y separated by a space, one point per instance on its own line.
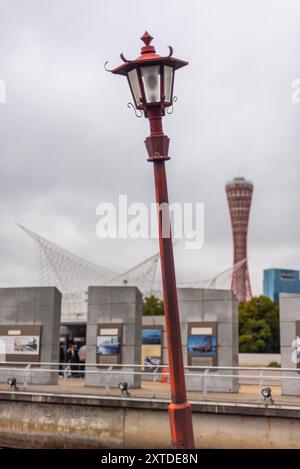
x=202 y=343
x=21 y=343
x=109 y=344
x=151 y=356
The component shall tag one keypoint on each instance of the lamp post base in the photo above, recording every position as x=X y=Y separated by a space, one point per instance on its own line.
x=182 y=436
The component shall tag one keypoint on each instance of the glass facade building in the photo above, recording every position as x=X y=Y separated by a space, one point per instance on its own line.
x=280 y=281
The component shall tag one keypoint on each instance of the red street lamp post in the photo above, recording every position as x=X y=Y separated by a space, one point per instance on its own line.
x=151 y=81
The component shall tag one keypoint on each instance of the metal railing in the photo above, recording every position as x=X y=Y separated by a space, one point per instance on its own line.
x=201 y=380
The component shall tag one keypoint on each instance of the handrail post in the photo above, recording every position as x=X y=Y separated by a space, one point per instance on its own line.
x=260 y=380
x=66 y=369
x=107 y=379
x=204 y=388
x=26 y=374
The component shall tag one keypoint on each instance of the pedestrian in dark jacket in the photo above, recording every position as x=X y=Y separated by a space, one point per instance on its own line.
x=73 y=360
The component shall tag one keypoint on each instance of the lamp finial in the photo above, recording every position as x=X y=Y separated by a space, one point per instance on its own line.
x=146 y=38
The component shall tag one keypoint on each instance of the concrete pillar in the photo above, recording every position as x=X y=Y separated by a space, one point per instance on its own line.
x=27 y=312
x=204 y=307
x=120 y=310
x=289 y=306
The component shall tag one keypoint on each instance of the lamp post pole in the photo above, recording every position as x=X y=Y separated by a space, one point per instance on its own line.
x=151 y=81
x=179 y=410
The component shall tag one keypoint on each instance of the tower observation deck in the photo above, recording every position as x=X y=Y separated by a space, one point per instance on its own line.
x=239 y=195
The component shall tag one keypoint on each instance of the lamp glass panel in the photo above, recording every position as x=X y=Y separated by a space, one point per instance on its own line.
x=168 y=77
x=135 y=86
x=151 y=81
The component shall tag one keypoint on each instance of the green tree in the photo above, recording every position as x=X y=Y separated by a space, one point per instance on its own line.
x=259 y=325
x=153 y=306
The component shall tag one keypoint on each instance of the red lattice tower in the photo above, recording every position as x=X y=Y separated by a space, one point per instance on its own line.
x=239 y=195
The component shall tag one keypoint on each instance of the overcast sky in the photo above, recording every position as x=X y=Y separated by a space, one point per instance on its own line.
x=68 y=141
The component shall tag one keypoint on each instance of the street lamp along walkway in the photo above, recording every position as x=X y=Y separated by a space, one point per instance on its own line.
x=151 y=81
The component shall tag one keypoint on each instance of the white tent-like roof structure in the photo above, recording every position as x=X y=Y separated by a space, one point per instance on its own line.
x=72 y=275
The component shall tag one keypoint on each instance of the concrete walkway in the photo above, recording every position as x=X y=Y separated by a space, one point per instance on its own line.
x=249 y=393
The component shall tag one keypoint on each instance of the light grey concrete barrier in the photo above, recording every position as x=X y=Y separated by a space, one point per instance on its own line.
x=29 y=331
x=259 y=359
x=50 y=421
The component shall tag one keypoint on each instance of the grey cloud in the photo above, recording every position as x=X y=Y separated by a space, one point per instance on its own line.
x=68 y=142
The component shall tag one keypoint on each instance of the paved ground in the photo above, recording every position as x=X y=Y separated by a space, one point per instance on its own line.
x=249 y=393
